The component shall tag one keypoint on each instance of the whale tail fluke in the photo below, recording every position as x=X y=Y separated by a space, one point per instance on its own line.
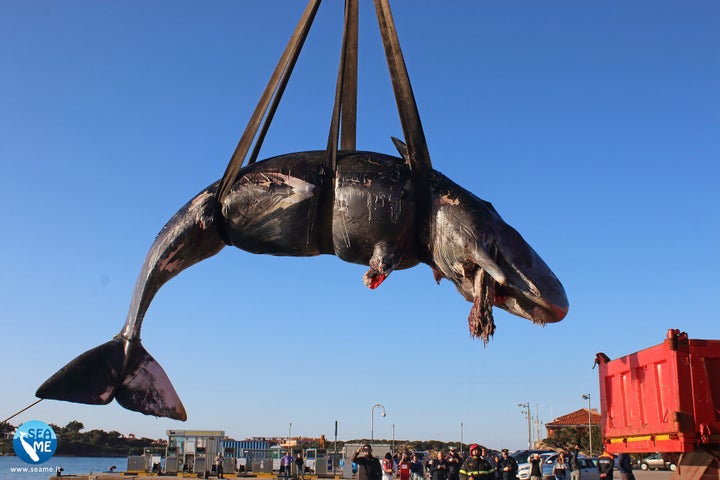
x=89 y=378
x=117 y=369
x=146 y=387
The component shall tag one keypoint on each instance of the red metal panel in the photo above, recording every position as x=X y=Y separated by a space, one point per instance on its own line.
x=665 y=398
x=705 y=369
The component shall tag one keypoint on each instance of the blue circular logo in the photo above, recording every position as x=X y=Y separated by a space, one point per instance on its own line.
x=34 y=442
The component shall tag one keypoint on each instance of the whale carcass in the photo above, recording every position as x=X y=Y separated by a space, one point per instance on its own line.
x=369 y=211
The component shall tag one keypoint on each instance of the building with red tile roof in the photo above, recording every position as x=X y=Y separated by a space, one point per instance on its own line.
x=577 y=419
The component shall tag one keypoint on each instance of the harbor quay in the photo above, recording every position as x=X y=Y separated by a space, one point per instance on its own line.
x=156 y=476
x=194 y=454
x=639 y=475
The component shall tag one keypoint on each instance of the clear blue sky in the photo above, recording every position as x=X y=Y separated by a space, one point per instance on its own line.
x=593 y=127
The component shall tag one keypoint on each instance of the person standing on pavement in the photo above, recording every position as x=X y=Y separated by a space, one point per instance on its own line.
x=453 y=462
x=388 y=467
x=508 y=466
x=438 y=467
x=498 y=472
x=535 y=462
x=475 y=467
x=574 y=463
x=605 y=465
x=403 y=468
x=285 y=464
x=219 y=465
x=416 y=468
x=560 y=468
x=300 y=466
x=368 y=466
x=625 y=467
x=484 y=454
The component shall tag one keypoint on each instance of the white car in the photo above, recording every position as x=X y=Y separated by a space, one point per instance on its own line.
x=655 y=462
x=588 y=469
x=524 y=468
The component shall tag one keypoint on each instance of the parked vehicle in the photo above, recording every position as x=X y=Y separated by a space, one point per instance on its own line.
x=588 y=469
x=521 y=456
x=656 y=462
x=664 y=399
x=524 y=467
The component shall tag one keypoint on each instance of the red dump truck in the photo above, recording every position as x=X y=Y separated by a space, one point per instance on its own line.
x=665 y=399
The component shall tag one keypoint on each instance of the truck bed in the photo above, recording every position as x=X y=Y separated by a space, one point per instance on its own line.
x=665 y=398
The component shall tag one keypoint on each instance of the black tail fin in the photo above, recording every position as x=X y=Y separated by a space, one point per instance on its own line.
x=134 y=378
x=146 y=387
x=89 y=378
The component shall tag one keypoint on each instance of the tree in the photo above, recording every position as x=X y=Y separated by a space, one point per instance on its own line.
x=567 y=437
x=5 y=443
x=5 y=427
x=74 y=427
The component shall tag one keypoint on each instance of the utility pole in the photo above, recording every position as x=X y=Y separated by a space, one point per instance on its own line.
x=526 y=411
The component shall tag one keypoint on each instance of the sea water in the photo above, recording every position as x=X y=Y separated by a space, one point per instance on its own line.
x=13 y=468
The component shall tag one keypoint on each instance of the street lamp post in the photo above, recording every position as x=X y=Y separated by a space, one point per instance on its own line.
x=461 y=438
x=392 y=445
x=587 y=397
x=372 y=421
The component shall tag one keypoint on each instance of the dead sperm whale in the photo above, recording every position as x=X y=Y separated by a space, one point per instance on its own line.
x=366 y=213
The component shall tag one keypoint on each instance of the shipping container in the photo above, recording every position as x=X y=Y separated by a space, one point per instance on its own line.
x=665 y=398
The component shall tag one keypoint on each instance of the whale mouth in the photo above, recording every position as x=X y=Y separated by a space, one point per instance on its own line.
x=537 y=309
x=516 y=295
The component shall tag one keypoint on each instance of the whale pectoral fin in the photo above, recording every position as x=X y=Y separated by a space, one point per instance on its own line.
x=146 y=387
x=91 y=377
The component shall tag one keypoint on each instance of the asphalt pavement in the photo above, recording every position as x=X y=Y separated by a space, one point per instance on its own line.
x=648 y=474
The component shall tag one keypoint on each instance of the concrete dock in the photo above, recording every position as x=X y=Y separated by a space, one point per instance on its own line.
x=149 y=476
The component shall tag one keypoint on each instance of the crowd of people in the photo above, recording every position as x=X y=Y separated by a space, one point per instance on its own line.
x=480 y=465
x=445 y=466
x=286 y=463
